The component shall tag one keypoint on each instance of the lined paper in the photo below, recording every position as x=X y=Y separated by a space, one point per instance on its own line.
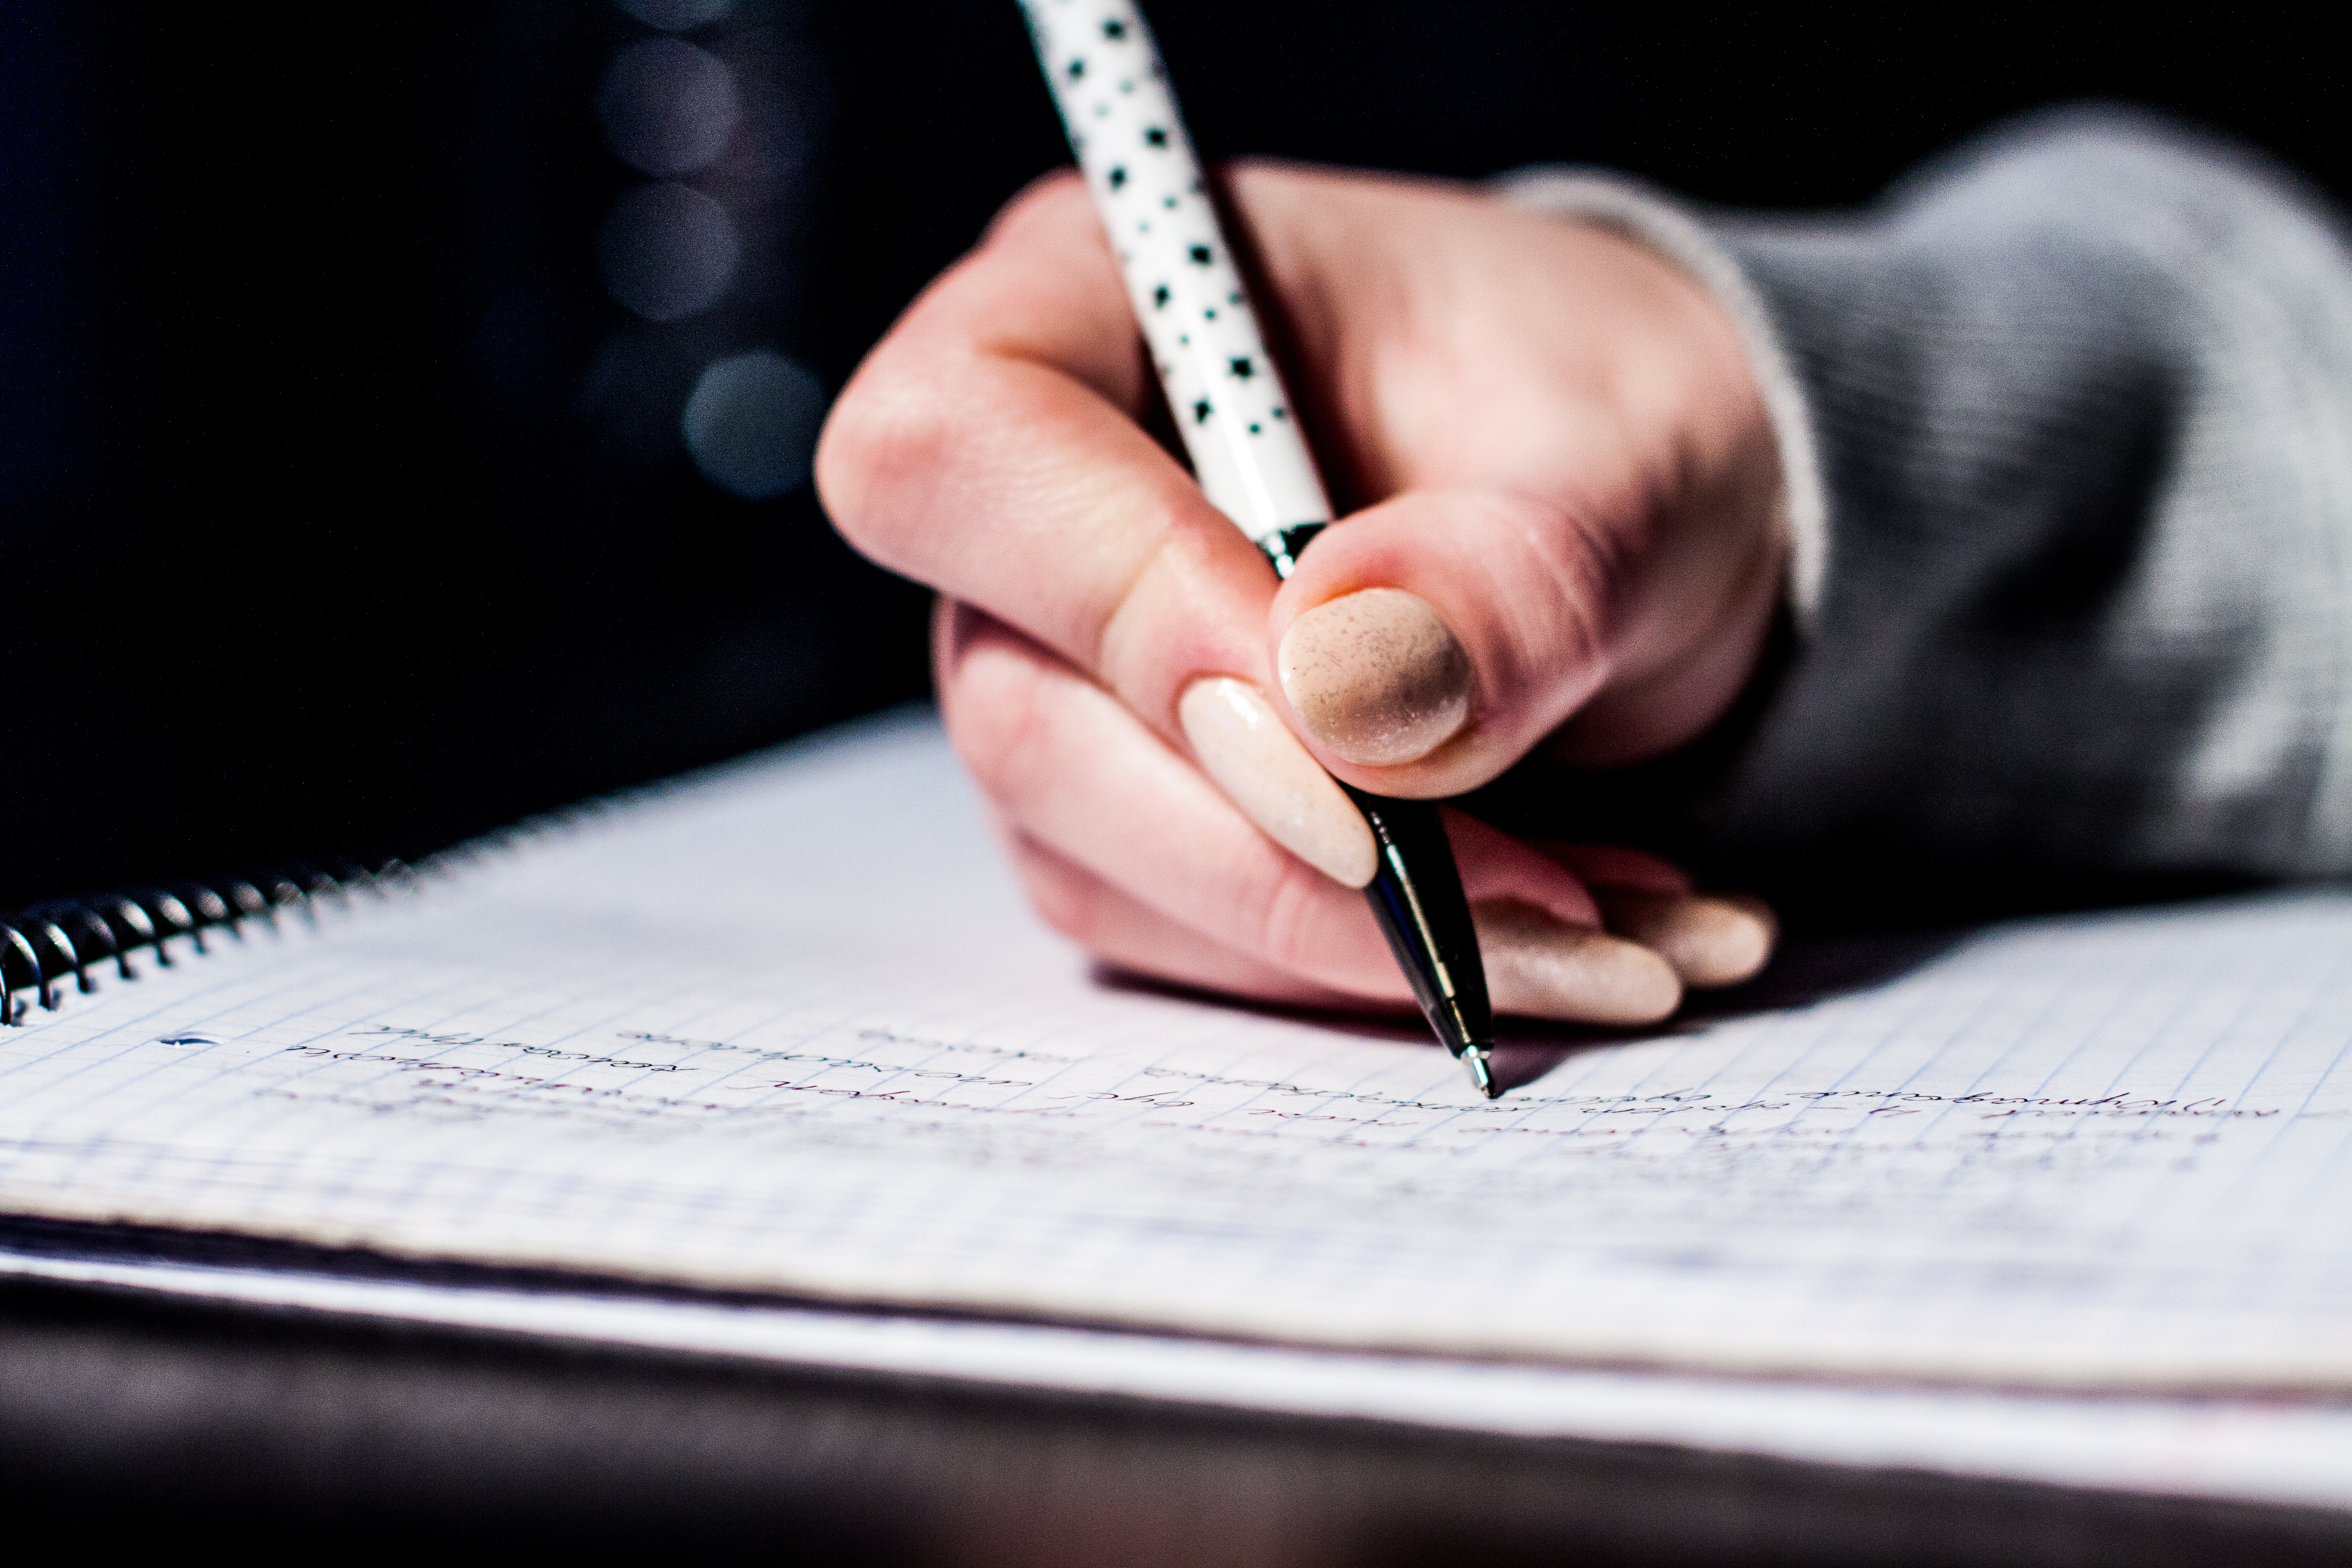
x=791 y=1030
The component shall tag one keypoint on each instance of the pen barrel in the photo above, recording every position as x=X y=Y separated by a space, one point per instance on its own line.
x=1423 y=914
x=1238 y=424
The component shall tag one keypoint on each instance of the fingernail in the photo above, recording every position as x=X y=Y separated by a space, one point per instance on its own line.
x=1377 y=676
x=1709 y=941
x=1543 y=966
x=1259 y=763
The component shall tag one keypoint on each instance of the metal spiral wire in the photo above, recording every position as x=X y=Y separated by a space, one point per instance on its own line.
x=48 y=944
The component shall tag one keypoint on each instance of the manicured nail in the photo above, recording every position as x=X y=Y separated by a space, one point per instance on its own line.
x=1541 y=965
x=1710 y=941
x=1259 y=763
x=1377 y=676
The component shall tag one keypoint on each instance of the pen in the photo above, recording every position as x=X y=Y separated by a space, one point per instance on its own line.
x=1242 y=432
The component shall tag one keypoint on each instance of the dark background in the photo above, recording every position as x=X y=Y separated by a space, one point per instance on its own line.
x=342 y=513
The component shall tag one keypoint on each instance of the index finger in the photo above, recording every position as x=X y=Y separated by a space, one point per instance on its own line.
x=990 y=447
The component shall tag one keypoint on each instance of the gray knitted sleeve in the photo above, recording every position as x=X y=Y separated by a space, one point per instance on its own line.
x=2075 y=549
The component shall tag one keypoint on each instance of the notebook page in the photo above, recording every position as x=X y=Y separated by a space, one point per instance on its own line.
x=792 y=1030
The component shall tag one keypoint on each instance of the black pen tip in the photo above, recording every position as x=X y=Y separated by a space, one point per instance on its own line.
x=1482 y=1072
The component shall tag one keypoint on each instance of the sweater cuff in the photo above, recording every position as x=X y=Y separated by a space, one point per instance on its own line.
x=1651 y=219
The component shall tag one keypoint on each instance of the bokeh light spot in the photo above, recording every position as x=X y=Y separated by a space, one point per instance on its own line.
x=667 y=106
x=677 y=16
x=668 y=251
x=752 y=423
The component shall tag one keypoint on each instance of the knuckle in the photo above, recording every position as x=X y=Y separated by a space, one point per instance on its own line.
x=1057 y=193
x=1050 y=198
x=1127 y=637
x=891 y=424
x=995 y=705
x=1588 y=567
x=1556 y=579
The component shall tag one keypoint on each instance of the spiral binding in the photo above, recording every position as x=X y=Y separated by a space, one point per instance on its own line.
x=43 y=946
x=47 y=943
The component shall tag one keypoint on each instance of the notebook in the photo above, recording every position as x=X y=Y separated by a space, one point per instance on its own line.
x=775 y=1061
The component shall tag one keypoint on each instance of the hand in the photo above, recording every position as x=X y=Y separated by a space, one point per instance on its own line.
x=1574 y=544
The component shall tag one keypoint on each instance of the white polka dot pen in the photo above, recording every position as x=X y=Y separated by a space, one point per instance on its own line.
x=1241 y=433
x=1223 y=387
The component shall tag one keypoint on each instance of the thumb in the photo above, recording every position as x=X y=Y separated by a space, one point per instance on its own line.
x=1428 y=643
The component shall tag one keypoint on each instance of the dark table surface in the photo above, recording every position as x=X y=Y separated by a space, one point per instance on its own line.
x=140 y=1420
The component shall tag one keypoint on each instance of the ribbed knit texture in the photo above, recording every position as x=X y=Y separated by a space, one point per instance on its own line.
x=2081 y=399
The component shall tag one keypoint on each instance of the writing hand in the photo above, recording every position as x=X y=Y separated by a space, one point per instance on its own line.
x=1574 y=545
